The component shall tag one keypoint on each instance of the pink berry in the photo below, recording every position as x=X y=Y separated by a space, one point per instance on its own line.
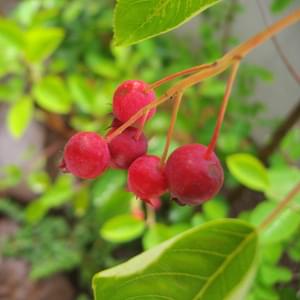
x=192 y=178
x=146 y=178
x=126 y=147
x=86 y=155
x=130 y=97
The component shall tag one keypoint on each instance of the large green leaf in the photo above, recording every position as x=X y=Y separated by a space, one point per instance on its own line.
x=248 y=170
x=215 y=261
x=51 y=94
x=138 y=20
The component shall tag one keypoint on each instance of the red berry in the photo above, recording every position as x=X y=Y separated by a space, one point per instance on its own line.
x=126 y=147
x=192 y=178
x=86 y=155
x=146 y=178
x=130 y=97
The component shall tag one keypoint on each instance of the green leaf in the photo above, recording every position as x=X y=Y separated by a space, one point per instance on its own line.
x=19 y=116
x=82 y=93
x=270 y=274
x=279 y=5
x=42 y=42
x=122 y=229
x=51 y=94
x=248 y=170
x=161 y=232
x=135 y=21
x=55 y=196
x=281 y=229
x=215 y=261
x=282 y=181
x=10 y=34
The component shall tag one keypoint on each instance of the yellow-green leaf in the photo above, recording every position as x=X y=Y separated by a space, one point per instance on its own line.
x=248 y=170
x=19 y=116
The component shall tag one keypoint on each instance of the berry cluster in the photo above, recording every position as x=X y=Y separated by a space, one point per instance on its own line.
x=191 y=174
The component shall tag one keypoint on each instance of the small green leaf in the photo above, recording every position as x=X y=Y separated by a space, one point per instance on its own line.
x=123 y=228
x=279 y=5
x=42 y=42
x=19 y=116
x=55 y=196
x=82 y=93
x=248 y=170
x=135 y=21
x=282 y=228
x=11 y=34
x=215 y=261
x=51 y=94
x=282 y=181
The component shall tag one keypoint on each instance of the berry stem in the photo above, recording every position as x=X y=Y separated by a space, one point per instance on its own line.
x=176 y=105
x=142 y=125
x=179 y=74
x=280 y=207
x=151 y=218
x=222 y=111
x=207 y=71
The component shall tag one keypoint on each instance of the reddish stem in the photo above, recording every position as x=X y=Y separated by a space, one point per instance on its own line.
x=178 y=98
x=222 y=111
x=142 y=125
x=179 y=74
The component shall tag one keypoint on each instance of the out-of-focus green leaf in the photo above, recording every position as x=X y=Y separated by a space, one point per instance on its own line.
x=51 y=94
x=285 y=225
x=122 y=229
x=10 y=176
x=270 y=274
x=19 y=116
x=38 y=181
x=82 y=93
x=248 y=170
x=160 y=233
x=282 y=181
x=215 y=209
x=10 y=34
x=42 y=42
x=280 y=5
x=55 y=196
x=138 y=20
x=193 y=263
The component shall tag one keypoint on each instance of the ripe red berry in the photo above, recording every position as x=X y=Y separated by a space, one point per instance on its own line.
x=86 y=155
x=130 y=97
x=193 y=178
x=126 y=147
x=146 y=178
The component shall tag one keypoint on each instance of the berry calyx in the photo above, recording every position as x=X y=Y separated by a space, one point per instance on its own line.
x=193 y=178
x=146 y=178
x=130 y=97
x=127 y=147
x=86 y=155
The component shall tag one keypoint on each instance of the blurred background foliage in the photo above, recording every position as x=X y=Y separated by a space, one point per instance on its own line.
x=58 y=72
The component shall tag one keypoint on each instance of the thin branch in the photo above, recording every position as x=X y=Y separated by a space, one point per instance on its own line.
x=279 y=134
x=267 y=20
x=280 y=207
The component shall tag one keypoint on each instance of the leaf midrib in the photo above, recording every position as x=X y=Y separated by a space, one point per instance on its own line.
x=223 y=265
